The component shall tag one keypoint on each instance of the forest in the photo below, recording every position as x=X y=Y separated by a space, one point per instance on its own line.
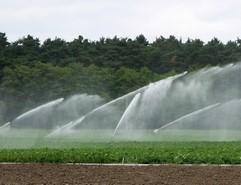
x=34 y=72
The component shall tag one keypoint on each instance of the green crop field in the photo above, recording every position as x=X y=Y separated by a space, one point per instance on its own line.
x=132 y=152
x=196 y=147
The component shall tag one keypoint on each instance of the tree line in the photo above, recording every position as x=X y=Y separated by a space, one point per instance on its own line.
x=32 y=72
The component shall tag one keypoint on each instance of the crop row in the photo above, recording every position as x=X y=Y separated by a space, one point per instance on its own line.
x=131 y=152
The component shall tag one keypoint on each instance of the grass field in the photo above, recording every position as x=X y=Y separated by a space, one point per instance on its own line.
x=99 y=147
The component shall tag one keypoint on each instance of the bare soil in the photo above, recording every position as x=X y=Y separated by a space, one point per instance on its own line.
x=83 y=174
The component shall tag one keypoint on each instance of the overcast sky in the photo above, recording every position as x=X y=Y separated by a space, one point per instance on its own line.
x=93 y=19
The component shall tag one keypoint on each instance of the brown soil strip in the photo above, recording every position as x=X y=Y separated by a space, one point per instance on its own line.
x=85 y=174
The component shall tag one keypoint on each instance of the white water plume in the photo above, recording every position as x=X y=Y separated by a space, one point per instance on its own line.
x=187 y=116
x=66 y=129
x=208 y=99
x=58 y=112
x=132 y=94
x=39 y=108
x=226 y=116
x=109 y=114
x=104 y=107
x=6 y=125
x=128 y=111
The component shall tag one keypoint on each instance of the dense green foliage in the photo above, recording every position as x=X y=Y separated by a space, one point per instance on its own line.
x=145 y=152
x=186 y=146
x=32 y=73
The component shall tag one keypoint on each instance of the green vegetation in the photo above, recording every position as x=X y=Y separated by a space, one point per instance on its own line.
x=169 y=146
x=32 y=73
x=132 y=152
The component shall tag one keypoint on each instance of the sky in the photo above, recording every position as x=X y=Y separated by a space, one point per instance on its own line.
x=203 y=19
